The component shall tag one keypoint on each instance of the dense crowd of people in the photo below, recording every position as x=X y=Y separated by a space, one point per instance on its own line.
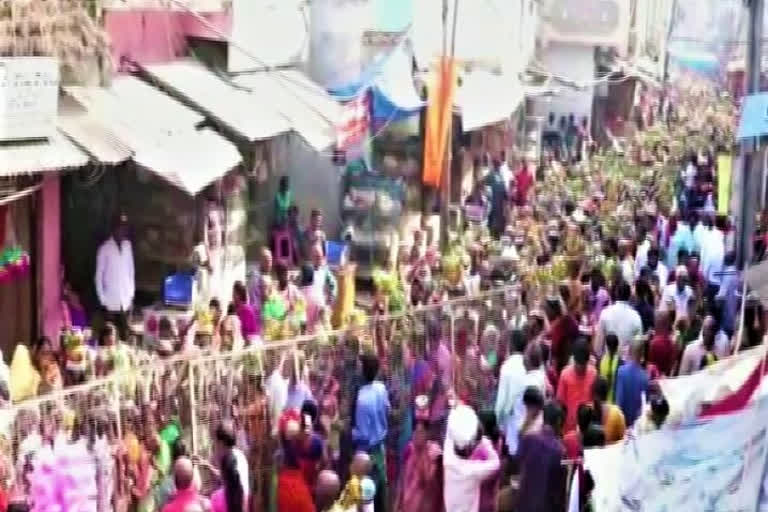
x=580 y=282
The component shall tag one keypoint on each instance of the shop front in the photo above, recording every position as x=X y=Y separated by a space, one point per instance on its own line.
x=30 y=294
x=166 y=174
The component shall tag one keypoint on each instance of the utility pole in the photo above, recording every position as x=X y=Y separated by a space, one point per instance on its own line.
x=446 y=185
x=750 y=151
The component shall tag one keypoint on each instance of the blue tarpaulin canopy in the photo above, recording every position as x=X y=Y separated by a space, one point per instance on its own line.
x=390 y=79
x=754 y=116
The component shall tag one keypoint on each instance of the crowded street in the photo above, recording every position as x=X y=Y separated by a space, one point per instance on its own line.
x=415 y=282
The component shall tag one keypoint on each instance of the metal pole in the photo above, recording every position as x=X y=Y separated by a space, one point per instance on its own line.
x=446 y=185
x=750 y=147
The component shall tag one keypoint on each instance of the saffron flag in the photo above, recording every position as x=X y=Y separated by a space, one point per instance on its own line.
x=442 y=91
x=724 y=167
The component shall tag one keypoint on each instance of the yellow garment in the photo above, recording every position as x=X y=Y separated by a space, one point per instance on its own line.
x=132 y=447
x=345 y=302
x=24 y=378
x=351 y=495
x=614 y=424
x=608 y=369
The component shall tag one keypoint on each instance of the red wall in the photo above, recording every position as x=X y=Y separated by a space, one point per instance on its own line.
x=151 y=36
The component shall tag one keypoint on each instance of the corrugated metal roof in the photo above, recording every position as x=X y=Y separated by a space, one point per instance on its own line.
x=32 y=157
x=312 y=112
x=190 y=161
x=486 y=98
x=160 y=132
x=257 y=105
x=91 y=135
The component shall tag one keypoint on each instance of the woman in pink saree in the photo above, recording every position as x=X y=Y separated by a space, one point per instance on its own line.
x=421 y=483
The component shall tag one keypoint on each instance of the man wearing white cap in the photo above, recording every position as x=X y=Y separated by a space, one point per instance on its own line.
x=464 y=474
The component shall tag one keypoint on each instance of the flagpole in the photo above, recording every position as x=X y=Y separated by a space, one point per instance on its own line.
x=447 y=175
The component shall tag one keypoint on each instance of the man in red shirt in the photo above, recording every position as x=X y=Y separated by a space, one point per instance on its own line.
x=523 y=183
x=563 y=330
x=575 y=385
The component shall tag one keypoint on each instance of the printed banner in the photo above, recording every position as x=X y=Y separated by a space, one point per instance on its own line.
x=714 y=465
x=355 y=121
x=724 y=169
x=686 y=393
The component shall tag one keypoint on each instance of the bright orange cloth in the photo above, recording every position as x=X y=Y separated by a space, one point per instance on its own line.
x=442 y=91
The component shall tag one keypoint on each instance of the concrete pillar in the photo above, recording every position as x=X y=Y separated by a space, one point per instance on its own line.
x=49 y=257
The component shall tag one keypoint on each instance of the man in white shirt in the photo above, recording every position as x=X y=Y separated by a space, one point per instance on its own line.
x=115 y=280
x=512 y=383
x=656 y=269
x=468 y=461
x=677 y=295
x=620 y=319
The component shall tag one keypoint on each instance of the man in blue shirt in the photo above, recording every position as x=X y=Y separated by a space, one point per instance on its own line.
x=369 y=429
x=632 y=382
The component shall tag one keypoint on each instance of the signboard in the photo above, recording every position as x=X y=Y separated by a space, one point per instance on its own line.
x=754 y=116
x=29 y=97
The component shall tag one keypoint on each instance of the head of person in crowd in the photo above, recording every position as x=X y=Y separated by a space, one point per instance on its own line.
x=489 y=426
x=369 y=364
x=590 y=430
x=309 y=416
x=183 y=474
x=517 y=341
x=682 y=256
x=225 y=438
x=637 y=349
x=361 y=464
x=232 y=483
x=643 y=292
x=534 y=359
x=464 y=429
x=316 y=219
x=596 y=280
x=663 y=322
x=306 y=276
x=553 y=417
x=421 y=423
x=553 y=308
x=265 y=261
x=281 y=274
x=533 y=401
x=730 y=259
x=239 y=294
x=214 y=307
x=317 y=256
x=612 y=343
x=623 y=292
x=327 y=489
x=534 y=324
x=653 y=258
x=580 y=356
x=108 y=337
x=659 y=410
x=708 y=332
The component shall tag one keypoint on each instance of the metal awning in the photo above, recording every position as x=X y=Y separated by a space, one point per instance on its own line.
x=160 y=132
x=485 y=98
x=255 y=106
x=91 y=135
x=53 y=154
